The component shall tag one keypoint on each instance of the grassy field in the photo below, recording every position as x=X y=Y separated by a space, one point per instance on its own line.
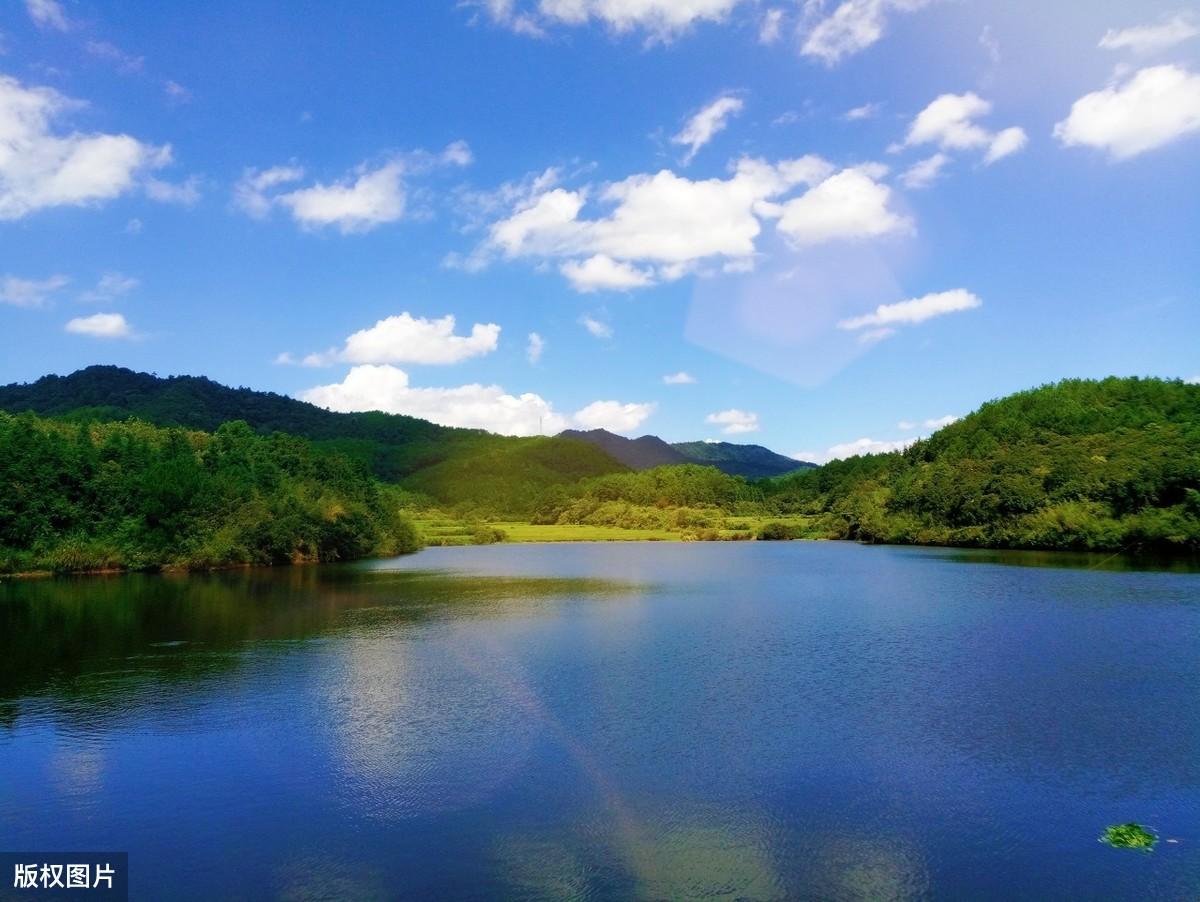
x=439 y=529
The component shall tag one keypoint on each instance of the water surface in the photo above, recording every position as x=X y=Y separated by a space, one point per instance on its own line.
x=610 y=721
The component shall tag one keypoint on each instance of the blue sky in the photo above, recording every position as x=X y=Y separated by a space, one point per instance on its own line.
x=841 y=222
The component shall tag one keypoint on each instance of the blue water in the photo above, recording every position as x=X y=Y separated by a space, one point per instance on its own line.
x=612 y=721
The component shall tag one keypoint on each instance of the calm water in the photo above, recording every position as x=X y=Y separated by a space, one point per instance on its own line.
x=737 y=720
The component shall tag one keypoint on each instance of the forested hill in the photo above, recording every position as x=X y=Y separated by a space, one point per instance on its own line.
x=751 y=461
x=1079 y=464
x=393 y=446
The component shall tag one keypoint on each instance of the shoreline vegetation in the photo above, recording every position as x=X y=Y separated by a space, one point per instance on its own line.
x=133 y=484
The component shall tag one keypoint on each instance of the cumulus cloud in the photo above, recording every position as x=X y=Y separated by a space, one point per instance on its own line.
x=852 y=27
x=1151 y=38
x=851 y=204
x=613 y=416
x=916 y=310
x=490 y=407
x=535 y=347
x=365 y=198
x=40 y=168
x=734 y=421
x=123 y=62
x=949 y=122
x=29 y=292
x=661 y=20
x=358 y=203
x=680 y=378
x=595 y=327
x=47 y=14
x=408 y=339
x=1151 y=108
x=100 y=325
x=474 y=406
x=602 y=272
x=862 y=446
x=110 y=287
x=660 y=227
x=925 y=172
x=706 y=124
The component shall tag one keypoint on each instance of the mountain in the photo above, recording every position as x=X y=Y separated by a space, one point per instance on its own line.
x=751 y=461
x=636 y=453
x=437 y=460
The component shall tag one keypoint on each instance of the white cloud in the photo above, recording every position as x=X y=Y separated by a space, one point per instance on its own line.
x=29 y=292
x=603 y=273
x=409 y=339
x=916 y=310
x=949 y=122
x=613 y=416
x=365 y=199
x=1152 y=108
x=47 y=14
x=662 y=20
x=934 y=423
x=1005 y=142
x=185 y=193
x=848 y=205
x=852 y=27
x=925 y=172
x=40 y=169
x=535 y=347
x=133 y=227
x=111 y=53
x=250 y=193
x=706 y=124
x=1151 y=38
x=595 y=327
x=941 y=422
x=864 y=446
x=680 y=378
x=734 y=421
x=866 y=111
x=458 y=153
x=100 y=325
x=490 y=407
x=110 y=287
x=771 y=26
x=663 y=226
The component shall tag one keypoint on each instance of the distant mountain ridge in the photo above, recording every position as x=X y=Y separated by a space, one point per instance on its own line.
x=648 y=451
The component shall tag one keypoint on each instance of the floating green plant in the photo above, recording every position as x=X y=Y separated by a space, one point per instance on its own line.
x=1129 y=836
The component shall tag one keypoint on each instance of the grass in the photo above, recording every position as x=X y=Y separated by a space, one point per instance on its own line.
x=441 y=529
x=1129 y=836
x=528 y=532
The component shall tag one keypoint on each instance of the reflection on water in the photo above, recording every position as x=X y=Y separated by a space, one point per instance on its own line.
x=745 y=721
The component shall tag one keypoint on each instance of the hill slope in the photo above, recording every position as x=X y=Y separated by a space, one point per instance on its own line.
x=751 y=461
x=649 y=451
x=636 y=453
x=395 y=447
x=1083 y=464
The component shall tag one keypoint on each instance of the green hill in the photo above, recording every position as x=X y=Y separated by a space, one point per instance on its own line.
x=1082 y=464
x=440 y=461
x=751 y=461
x=131 y=495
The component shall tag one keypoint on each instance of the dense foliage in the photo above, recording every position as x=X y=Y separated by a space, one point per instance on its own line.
x=393 y=446
x=1080 y=464
x=91 y=496
x=665 y=497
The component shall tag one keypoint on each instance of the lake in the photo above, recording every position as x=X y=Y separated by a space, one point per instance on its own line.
x=611 y=721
